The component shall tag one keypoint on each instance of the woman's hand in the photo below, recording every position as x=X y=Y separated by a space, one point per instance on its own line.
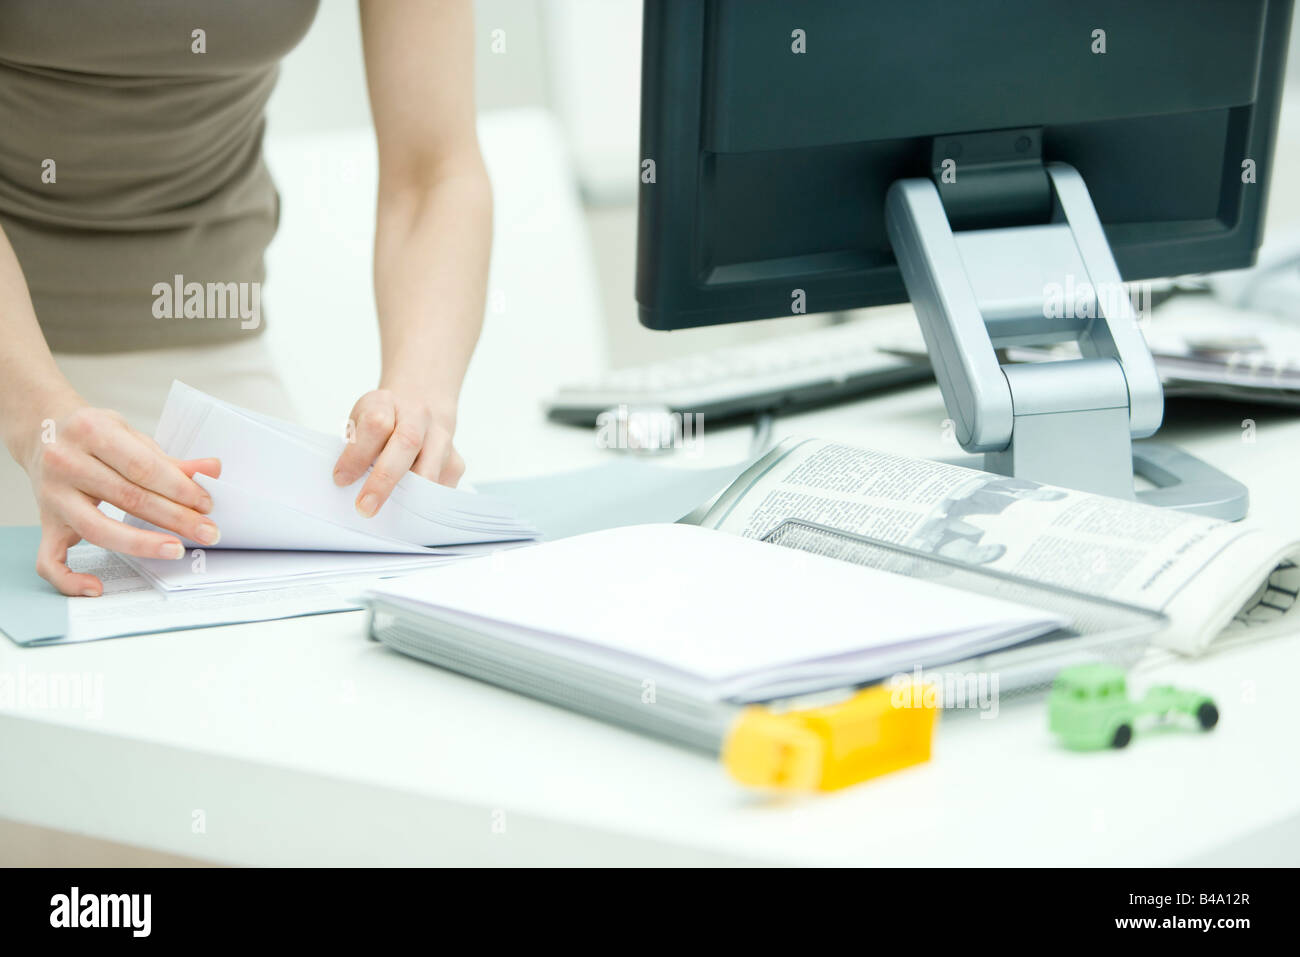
x=433 y=235
x=86 y=456
x=392 y=435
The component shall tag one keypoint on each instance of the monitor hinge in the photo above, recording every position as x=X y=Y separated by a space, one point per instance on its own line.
x=992 y=180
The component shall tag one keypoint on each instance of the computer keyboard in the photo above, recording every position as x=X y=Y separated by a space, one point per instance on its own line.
x=776 y=375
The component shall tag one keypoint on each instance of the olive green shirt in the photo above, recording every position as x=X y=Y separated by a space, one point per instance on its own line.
x=131 y=164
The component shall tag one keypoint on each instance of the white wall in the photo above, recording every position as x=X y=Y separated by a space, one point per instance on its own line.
x=1293 y=61
x=580 y=58
x=323 y=83
x=593 y=59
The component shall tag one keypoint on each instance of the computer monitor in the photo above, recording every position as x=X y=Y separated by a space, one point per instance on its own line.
x=819 y=156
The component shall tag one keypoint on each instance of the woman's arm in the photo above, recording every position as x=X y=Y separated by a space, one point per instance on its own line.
x=31 y=387
x=432 y=241
x=77 y=456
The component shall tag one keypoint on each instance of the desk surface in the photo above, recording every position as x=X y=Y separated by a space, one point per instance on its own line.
x=301 y=742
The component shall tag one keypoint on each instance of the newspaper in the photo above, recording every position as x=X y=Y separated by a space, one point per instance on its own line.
x=1212 y=579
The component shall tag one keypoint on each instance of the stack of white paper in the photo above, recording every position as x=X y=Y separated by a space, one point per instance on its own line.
x=701 y=612
x=129 y=606
x=276 y=492
x=220 y=570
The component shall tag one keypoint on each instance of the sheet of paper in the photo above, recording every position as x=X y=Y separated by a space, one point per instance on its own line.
x=239 y=570
x=131 y=606
x=250 y=520
x=622 y=491
x=277 y=491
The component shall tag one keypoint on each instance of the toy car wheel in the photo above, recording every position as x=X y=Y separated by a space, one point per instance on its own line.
x=1208 y=715
x=1123 y=735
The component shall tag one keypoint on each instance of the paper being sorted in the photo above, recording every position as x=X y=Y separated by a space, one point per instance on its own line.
x=276 y=489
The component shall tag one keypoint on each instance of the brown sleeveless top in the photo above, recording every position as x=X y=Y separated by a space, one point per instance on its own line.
x=131 y=155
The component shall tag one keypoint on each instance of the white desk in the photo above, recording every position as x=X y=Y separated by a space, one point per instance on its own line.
x=301 y=742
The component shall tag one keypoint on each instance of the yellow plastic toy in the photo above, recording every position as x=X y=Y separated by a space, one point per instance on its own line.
x=878 y=730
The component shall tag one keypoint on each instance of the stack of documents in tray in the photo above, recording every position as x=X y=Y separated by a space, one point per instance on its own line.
x=687 y=612
x=1204 y=348
x=284 y=521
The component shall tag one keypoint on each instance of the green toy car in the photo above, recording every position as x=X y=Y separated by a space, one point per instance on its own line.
x=1089 y=707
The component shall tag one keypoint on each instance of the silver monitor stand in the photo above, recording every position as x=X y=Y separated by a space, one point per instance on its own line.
x=1070 y=422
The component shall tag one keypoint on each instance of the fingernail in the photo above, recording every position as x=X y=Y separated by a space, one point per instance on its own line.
x=208 y=534
x=171 y=550
x=368 y=505
x=90 y=593
x=205 y=503
x=340 y=479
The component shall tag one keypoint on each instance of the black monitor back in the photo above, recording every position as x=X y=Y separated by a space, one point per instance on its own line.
x=765 y=170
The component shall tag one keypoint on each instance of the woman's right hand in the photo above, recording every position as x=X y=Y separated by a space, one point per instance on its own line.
x=86 y=456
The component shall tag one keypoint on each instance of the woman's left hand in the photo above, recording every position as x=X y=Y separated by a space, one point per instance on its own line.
x=392 y=434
